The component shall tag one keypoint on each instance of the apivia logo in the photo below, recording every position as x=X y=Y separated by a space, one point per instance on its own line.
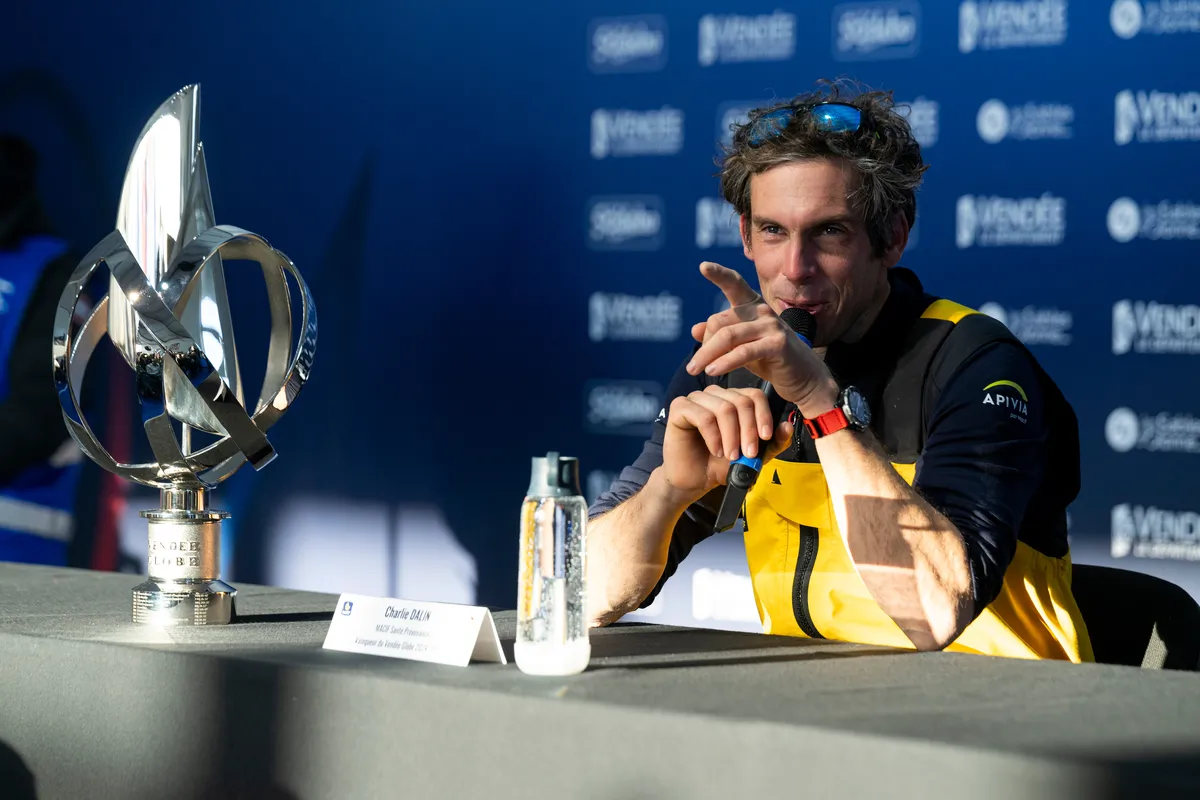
x=872 y=31
x=626 y=318
x=1142 y=327
x=731 y=38
x=1164 y=220
x=6 y=288
x=1034 y=325
x=624 y=132
x=1002 y=24
x=922 y=116
x=598 y=482
x=1010 y=221
x=1151 y=117
x=1149 y=532
x=717 y=224
x=997 y=121
x=1164 y=432
x=628 y=44
x=625 y=222
x=731 y=114
x=621 y=407
x=1008 y=397
x=1156 y=17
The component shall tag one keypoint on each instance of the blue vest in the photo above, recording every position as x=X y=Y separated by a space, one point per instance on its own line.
x=37 y=507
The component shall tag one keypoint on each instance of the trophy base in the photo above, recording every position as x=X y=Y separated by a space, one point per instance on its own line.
x=184 y=564
x=166 y=604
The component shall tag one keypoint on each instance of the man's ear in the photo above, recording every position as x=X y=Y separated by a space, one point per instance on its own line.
x=744 y=227
x=900 y=230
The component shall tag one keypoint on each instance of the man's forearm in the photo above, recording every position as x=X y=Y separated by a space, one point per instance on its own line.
x=627 y=549
x=910 y=556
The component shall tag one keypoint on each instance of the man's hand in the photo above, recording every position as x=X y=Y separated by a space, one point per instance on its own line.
x=707 y=430
x=751 y=335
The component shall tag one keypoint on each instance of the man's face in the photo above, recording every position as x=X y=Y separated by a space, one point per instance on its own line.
x=811 y=249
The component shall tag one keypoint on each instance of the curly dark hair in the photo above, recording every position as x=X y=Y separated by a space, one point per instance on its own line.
x=883 y=153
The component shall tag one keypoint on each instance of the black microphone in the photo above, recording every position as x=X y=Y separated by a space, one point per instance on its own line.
x=744 y=471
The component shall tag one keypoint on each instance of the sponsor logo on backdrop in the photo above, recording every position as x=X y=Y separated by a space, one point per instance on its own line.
x=733 y=38
x=597 y=483
x=1150 y=327
x=628 y=44
x=1152 y=116
x=625 y=132
x=997 y=121
x=1163 y=220
x=879 y=30
x=1003 y=24
x=717 y=224
x=1149 y=532
x=627 y=318
x=989 y=221
x=625 y=222
x=922 y=116
x=1165 y=432
x=621 y=407
x=1155 y=17
x=734 y=113
x=5 y=288
x=1034 y=325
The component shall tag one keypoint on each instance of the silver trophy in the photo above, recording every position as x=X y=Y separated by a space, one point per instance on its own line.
x=167 y=312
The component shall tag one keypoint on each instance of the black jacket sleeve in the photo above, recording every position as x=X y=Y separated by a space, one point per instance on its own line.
x=985 y=456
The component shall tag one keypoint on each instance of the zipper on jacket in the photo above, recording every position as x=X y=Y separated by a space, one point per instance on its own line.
x=809 y=539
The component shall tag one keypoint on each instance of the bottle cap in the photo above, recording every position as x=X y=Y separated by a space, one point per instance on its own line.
x=554 y=476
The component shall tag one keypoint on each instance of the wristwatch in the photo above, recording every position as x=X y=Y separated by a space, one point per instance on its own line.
x=851 y=411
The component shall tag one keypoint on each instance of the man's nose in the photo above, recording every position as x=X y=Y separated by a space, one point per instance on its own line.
x=799 y=264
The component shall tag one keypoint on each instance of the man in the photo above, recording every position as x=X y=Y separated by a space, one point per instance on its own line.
x=918 y=489
x=39 y=462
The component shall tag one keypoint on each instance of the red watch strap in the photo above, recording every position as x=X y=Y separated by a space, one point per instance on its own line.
x=831 y=421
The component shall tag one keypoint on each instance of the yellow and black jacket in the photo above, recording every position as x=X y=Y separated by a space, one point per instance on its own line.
x=968 y=417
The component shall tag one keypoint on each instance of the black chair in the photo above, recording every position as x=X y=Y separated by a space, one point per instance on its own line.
x=1137 y=619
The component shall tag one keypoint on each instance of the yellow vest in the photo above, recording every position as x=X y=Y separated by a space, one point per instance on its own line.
x=805 y=583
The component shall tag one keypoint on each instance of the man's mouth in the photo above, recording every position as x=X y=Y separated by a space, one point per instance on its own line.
x=811 y=307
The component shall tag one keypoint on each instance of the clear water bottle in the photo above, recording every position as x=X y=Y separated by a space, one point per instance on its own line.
x=552 y=626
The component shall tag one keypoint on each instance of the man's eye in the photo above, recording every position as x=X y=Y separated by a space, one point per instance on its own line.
x=833 y=230
x=773 y=230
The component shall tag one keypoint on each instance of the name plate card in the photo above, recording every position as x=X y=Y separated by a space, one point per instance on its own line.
x=443 y=633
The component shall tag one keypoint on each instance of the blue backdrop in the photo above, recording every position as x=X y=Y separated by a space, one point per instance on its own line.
x=501 y=209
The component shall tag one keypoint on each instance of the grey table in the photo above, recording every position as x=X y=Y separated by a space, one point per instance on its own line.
x=95 y=707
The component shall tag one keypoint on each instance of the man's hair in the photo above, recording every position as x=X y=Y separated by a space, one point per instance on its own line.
x=883 y=154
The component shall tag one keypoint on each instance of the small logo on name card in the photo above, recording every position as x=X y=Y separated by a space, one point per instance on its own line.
x=347 y=607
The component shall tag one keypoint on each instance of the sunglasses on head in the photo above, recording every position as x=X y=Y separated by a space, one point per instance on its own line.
x=832 y=117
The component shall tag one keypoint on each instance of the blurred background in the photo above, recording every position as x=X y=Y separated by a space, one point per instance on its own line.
x=501 y=207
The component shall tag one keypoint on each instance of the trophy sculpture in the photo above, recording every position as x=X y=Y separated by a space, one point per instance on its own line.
x=167 y=312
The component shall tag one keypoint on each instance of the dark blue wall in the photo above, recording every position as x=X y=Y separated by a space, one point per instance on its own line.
x=434 y=168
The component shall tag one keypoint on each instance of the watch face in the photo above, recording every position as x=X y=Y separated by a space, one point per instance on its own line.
x=855 y=407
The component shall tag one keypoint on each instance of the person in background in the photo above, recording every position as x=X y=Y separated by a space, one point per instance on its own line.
x=39 y=461
x=915 y=492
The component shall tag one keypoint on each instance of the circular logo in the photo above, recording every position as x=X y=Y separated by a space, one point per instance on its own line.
x=1126 y=18
x=1121 y=430
x=992 y=121
x=1124 y=220
x=995 y=311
